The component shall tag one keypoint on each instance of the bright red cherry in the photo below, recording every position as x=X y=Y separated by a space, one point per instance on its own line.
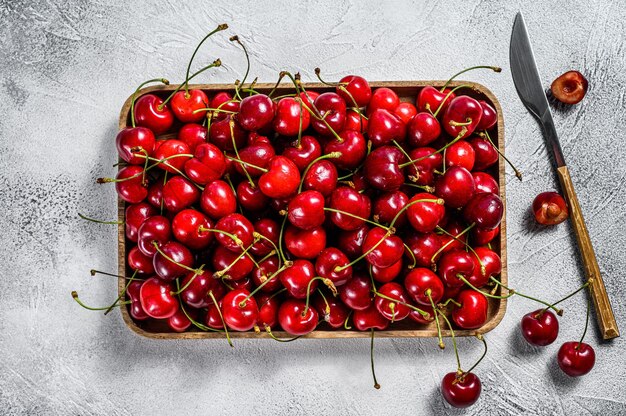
x=186 y=227
x=485 y=154
x=334 y=265
x=157 y=299
x=176 y=153
x=355 y=121
x=236 y=225
x=268 y=310
x=305 y=244
x=424 y=163
x=184 y=103
x=453 y=264
x=179 y=193
x=296 y=279
x=131 y=143
x=207 y=165
x=388 y=205
x=140 y=262
x=481 y=236
x=332 y=108
x=456 y=187
x=461 y=390
x=231 y=265
x=135 y=215
x=369 y=318
x=291 y=117
x=429 y=99
x=382 y=254
x=423 y=129
x=462 y=116
x=383 y=98
x=489 y=118
x=392 y=309
x=424 y=216
x=472 y=313
x=269 y=229
x=155 y=228
x=383 y=127
x=239 y=314
x=220 y=133
x=197 y=288
x=179 y=322
x=387 y=274
x=405 y=112
x=424 y=247
x=550 y=208
x=165 y=268
x=255 y=112
x=303 y=153
x=257 y=154
x=130 y=184
x=150 y=113
x=576 y=358
x=295 y=319
x=322 y=176
x=540 y=327
x=281 y=180
x=485 y=183
x=461 y=154
x=351 y=241
x=490 y=262
x=224 y=101
x=218 y=200
x=355 y=89
x=357 y=293
x=349 y=204
x=352 y=149
x=382 y=168
x=267 y=271
x=306 y=210
x=193 y=135
x=332 y=310
x=419 y=281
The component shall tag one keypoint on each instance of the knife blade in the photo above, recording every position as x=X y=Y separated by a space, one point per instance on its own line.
x=528 y=84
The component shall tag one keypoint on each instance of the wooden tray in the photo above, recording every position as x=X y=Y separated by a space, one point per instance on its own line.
x=407 y=90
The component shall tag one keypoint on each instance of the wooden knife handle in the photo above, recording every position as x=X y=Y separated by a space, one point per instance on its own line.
x=606 y=319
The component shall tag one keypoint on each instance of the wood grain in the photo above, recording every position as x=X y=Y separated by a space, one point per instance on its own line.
x=407 y=90
x=604 y=312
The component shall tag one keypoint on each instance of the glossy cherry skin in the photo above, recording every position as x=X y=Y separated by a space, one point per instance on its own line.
x=309 y=97
x=418 y=281
x=489 y=118
x=456 y=187
x=423 y=130
x=423 y=246
x=333 y=108
x=429 y=99
x=132 y=190
x=550 y=208
x=392 y=310
x=238 y=225
x=213 y=318
x=157 y=299
x=348 y=200
x=179 y=321
x=184 y=103
x=224 y=101
x=426 y=161
x=491 y=263
x=268 y=310
x=387 y=274
x=255 y=112
x=485 y=210
x=569 y=88
x=461 y=391
x=139 y=262
x=193 y=135
x=296 y=279
x=186 y=229
x=294 y=320
x=245 y=283
x=332 y=310
x=282 y=179
x=305 y=244
x=355 y=89
x=267 y=271
x=221 y=136
x=356 y=122
x=472 y=313
x=148 y=114
x=456 y=240
x=250 y=196
x=257 y=154
x=383 y=98
x=351 y=241
x=383 y=127
x=461 y=154
x=306 y=210
x=155 y=228
x=540 y=327
x=131 y=140
x=369 y=318
x=135 y=215
x=357 y=293
x=453 y=264
x=382 y=254
x=352 y=148
x=485 y=183
x=304 y=153
x=207 y=165
x=179 y=193
x=485 y=155
x=291 y=117
x=270 y=229
x=172 y=150
x=322 y=176
x=168 y=270
x=155 y=194
x=327 y=263
x=576 y=358
x=196 y=294
x=462 y=109
x=405 y=112
x=424 y=216
x=135 y=309
x=237 y=269
x=481 y=236
x=382 y=168
x=388 y=205
x=238 y=316
x=421 y=319
x=218 y=200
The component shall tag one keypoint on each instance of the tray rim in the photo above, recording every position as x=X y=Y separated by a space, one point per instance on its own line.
x=424 y=332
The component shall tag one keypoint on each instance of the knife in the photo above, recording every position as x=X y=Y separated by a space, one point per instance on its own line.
x=528 y=85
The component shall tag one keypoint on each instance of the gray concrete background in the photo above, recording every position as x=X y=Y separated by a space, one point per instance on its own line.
x=67 y=66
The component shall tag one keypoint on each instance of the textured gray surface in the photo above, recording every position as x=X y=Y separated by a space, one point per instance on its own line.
x=67 y=66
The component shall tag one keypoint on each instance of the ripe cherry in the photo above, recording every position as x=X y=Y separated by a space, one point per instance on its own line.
x=176 y=152
x=150 y=113
x=130 y=184
x=193 y=135
x=388 y=205
x=135 y=215
x=420 y=283
x=481 y=236
x=207 y=165
x=133 y=141
x=196 y=289
x=392 y=309
x=179 y=321
x=295 y=318
x=239 y=310
x=540 y=327
x=461 y=390
x=218 y=200
x=485 y=183
x=369 y=318
x=332 y=108
x=425 y=162
x=224 y=101
x=186 y=227
x=303 y=153
x=405 y=112
x=425 y=215
x=355 y=121
x=267 y=271
x=355 y=89
x=333 y=265
x=550 y=208
x=387 y=274
x=461 y=154
x=429 y=99
x=485 y=210
x=423 y=129
x=491 y=266
x=269 y=229
x=167 y=269
x=291 y=117
x=383 y=98
x=179 y=193
x=357 y=293
x=383 y=249
x=351 y=241
x=306 y=210
x=472 y=313
x=257 y=154
x=234 y=225
x=489 y=118
x=576 y=358
x=346 y=204
x=383 y=127
x=220 y=133
x=570 y=88
x=255 y=112
x=297 y=278
x=462 y=116
x=230 y=265
x=155 y=228
x=139 y=262
x=456 y=187
x=382 y=168
x=332 y=310
x=322 y=176
x=135 y=309
x=281 y=180
x=305 y=244
x=454 y=264
x=268 y=310
x=157 y=299
x=424 y=246
x=485 y=153
x=184 y=103
x=352 y=149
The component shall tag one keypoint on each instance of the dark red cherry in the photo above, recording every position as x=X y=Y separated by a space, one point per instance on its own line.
x=306 y=210
x=255 y=112
x=349 y=201
x=184 y=103
x=295 y=318
x=155 y=194
x=388 y=205
x=392 y=309
x=425 y=216
x=291 y=117
x=351 y=241
x=383 y=127
x=387 y=274
x=453 y=264
x=218 y=200
x=485 y=154
x=305 y=244
x=423 y=129
x=155 y=228
x=369 y=318
x=179 y=193
x=179 y=322
x=165 y=268
x=485 y=210
x=472 y=313
x=237 y=225
x=239 y=314
x=135 y=215
x=176 y=152
x=482 y=236
x=157 y=299
x=130 y=184
x=456 y=187
x=383 y=98
x=213 y=318
x=270 y=229
x=186 y=227
x=268 y=310
x=150 y=114
x=454 y=239
x=491 y=266
x=296 y=279
x=332 y=310
x=220 y=134
x=357 y=292
x=421 y=280
x=135 y=309
x=207 y=165
x=131 y=142
x=139 y=262
x=382 y=254
x=334 y=265
x=267 y=271
x=355 y=89
x=282 y=178
x=322 y=176
x=425 y=162
x=462 y=116
x=232 y=265
x=352 y=148
x=196 y=293
x=489 y=118
x=332 y=108
x=576 y=358
x=304 y=153
x=257 y=154
x=461 y=390
x=250 y=196
x=485 y=183
x=382 y=168
x=423 y=246
x=540 y=327
x=421 y=319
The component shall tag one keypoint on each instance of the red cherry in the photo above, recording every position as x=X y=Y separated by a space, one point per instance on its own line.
x=462 y=390
x=349 y=201
x=304 y=153
x=140 y=262
x=351 y=241
x=266 y=271
x=369 y=318
x=392 y=310
x=218 y=200
x=332 y=108
x=168 y=270
x=461 y=111
x=135 y=309
x=405 y=112
x=491 y=263
x=423 y=246
x=383 y=254
x=550 y=208
x=355 y=121
x=481 y=236
x=357 y=292
x=295 y=319
x=135 y=215
x=423 y=129
x=388 y=205
x=383 y=98
x=429 y=99
x=426 y=161
x=258 y=154
x=485 y=183
x=255 y=112
x=421 y=319
x=322 y=176
x=225 y=262
x=424 y=216
x=184 y=103
x=179 y=193
x=355 y=89
x=456 y=187
x=485 y=154
x=186 y=229
x=540 y=327
x=489 y=118
x=244 y=283
x=213 y=319
x=220 y=133
x=352 y=148
x=291 y=117
x=332 y=311
x=305 y=244
x=576 y=358
x=472 y=313
x=418 y=281
x=131 y=141
x=570 y=88
x=309 y=97
x=239 y=314
x=179 y=321
x=170 y=149
x=193 y=135
x=331 y=264
x=237 y=225
x=454 y=264
x=485 y=210
x=383 y=127
x=268 y=310
x=454 y=227
x=250 y=196
x=132 y=190
x=382 y=168
x=155 y=194
x=296 y=279
x=306 y=210
x=387 y=274
x=155 y=228
x=157 y=299
x=224 y=101
x=269 y=229
x=150 y=114
x=282 y=178
x=461 y=154
x=198 y=286
x=207 y=165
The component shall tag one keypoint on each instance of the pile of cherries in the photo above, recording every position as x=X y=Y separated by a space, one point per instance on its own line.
x=293 y=209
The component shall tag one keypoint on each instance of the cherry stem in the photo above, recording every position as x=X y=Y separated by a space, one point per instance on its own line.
x=214 y=110
x=513 y=292
x=586 y=284
x=493 y=68
x=221 y=273
x=356 y=217
x=123 y=293
x=446 y=98
x=182 y=289
x=341 y=86
x=231 y=125
x=233 y=237
x=450 y=300
x=430 y=299
x=327 y=309
x=219 y=311
x=275 y=338
x=266 y=281
x=586 y=324
x=489 y=295
x=280 y=239
x=143 y=172
x=245 y=51
x=485 y=134
x=331 y=155
x=424 y=188
x=216 y=63
x=346 y=324
x=329 y=283
x=132 y=102
x=432 y=259
x=412 y=256
x=437 y=201
x=76 y=298
x=158 y=249
x=316 y=114
x=219 y=28
x=376 y=385
x=364 y=255
x=398 y=301
x=281 y=75
x=456 y=139
x=276 y=249
x=193 y=321
x=456 y=350
x=246 y=164
x=481 y=338
x=84 y=217
x=94 y=272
